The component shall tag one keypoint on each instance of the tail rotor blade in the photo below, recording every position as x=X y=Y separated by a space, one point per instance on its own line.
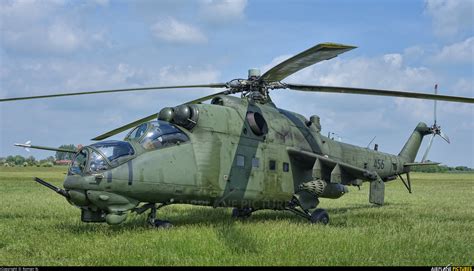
x=444 y=136
x=428 y=148
x=436 y=93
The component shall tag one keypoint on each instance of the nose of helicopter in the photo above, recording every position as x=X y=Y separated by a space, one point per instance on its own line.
x=74 y=185
x=72 y=182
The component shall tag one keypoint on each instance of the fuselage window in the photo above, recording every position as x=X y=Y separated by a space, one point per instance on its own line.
x=255 y=162
x=286 y=167
x=240 y=161
x=272 y=165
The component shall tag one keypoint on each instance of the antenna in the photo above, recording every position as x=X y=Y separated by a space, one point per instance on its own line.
x=368 y=145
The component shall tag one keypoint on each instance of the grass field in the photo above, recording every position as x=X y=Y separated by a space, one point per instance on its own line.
x=432 y=226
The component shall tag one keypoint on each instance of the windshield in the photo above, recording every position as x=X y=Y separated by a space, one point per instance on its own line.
x=138 y=131
x=114 y=149
x=162 y=134
x=78 y=163
x=97 y=162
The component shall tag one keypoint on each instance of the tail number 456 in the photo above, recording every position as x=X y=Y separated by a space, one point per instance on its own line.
x=378 y=164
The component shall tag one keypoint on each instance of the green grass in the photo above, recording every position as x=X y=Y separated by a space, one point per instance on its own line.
x=432 y=226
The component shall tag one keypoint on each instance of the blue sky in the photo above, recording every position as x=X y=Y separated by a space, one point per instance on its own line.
x=53 y=46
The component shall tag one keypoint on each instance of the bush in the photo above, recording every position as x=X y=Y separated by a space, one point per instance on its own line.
x=47 y=164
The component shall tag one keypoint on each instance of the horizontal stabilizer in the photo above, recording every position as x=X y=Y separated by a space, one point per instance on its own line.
x=421 y=164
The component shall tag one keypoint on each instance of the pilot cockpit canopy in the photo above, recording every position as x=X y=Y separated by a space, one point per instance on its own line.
x=157 y=134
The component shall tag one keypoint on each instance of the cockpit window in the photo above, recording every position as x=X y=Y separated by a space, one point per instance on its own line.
x=138 y=131
x=78 y=163
x=162 y=134
x=113 y=149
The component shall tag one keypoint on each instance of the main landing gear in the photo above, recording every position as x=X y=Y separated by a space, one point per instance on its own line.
x=318 y=216
x=242 y=213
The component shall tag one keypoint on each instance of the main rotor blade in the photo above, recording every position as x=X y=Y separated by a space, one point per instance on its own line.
x=380 y=92
x=125 y=127
x=428 y=148
x=318 y=53
x=217 y=85
x=150 y=117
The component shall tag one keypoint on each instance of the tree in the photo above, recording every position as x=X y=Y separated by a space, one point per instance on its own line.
x=10 y=159
x=19 y=160
x=65 y=155
x=31 y=160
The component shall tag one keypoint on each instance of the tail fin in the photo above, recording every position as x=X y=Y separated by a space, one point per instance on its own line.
x=413 y=144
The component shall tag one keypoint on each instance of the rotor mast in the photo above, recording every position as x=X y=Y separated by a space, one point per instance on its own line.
x=254 y=88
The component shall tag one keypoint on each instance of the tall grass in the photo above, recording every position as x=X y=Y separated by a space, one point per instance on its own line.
x=432 y=226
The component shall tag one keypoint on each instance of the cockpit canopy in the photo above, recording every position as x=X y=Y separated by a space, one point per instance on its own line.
x=157 y=134
x=101 y=156
x=108 y=154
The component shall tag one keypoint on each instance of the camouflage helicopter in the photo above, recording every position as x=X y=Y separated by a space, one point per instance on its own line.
x=244 y=153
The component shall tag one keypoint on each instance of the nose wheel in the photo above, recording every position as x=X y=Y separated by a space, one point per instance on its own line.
x=153 y=221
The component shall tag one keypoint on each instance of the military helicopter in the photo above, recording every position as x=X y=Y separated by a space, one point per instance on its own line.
x=244 y=153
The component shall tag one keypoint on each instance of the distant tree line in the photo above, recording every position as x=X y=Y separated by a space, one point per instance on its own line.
x=18 y=160
x=441 y=169
x=65 y=155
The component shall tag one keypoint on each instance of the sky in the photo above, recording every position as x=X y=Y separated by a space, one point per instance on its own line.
x=50 y=46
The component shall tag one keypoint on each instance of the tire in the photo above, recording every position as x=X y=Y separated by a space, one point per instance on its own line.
x=235 y=213
x=320 y=216
x=163 y=224
x=241 y=213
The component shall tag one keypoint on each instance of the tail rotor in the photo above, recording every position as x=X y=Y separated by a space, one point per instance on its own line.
x=435 y=129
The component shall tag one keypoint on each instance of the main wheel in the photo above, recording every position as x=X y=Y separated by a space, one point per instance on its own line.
x=320 y=216
x=241 y=213
x=164 y=224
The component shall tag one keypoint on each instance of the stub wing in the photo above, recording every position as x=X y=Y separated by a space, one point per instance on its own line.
x=331 y=167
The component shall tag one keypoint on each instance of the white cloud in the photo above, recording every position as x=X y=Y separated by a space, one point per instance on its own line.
x=461 y=52
x=386 y=72
x=222 y=10
x=414 y=51
x=37 y=27
x=62 y=37
x=102 y=2
x=450 y=17
x=172 y=75
x=464 y=86
x=171 y=30
x=341 y=111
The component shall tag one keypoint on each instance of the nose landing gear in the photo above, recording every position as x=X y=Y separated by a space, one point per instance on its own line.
x=151 y=219
x=157 y=223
